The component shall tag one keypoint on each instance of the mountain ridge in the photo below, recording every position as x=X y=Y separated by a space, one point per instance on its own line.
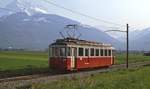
x=23 y=31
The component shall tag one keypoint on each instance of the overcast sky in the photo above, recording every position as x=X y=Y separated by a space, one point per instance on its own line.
x=134 y=12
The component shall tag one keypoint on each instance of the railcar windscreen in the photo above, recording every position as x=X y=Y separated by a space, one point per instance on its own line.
x=63 y=52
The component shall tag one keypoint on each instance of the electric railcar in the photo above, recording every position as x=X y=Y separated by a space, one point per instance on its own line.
x=74 y=54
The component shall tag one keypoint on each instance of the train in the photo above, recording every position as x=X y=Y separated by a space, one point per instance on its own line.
x=69 y=54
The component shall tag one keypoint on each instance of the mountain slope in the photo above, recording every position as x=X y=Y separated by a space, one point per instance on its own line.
x=37 y=31
x=140 y=40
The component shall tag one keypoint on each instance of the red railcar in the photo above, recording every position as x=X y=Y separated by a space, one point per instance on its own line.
x=74 y=54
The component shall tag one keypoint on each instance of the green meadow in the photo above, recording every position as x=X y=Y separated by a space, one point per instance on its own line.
x=10 y=60
x=15 y=63
x=27 y=62
x=133 y=57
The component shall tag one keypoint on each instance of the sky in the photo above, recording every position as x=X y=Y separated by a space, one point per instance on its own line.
x=134 y=12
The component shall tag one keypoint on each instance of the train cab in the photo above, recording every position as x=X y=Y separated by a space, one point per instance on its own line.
x=74 y=54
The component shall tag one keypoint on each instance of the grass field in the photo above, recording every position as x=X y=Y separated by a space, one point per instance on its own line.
x=20 y=59
x=15 y=63
x=133 y=57
x=123 y=79
x=22 y=62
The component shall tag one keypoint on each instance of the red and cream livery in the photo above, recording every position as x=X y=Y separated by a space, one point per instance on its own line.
x=74 y=54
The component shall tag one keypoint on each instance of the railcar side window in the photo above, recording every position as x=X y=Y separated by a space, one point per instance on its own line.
x=92 y=51
x=105 y=52
x=62 y=51
x=109 y=52
x=80 y=51
x=86 y=52
x=102 y=53
x=50 y=52
x=97 y=52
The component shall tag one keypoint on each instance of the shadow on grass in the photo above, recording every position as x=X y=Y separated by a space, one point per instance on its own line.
x=28 y=70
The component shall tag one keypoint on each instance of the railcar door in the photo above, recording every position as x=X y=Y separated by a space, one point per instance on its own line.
x=73 y=57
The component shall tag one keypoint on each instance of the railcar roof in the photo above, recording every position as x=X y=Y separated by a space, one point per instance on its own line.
x=73 y=41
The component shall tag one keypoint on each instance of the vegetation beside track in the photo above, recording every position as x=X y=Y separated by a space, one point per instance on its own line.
x=14 y=63
x=122 y=79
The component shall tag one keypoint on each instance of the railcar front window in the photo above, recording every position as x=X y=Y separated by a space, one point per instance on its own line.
x=62 y=51
x=56 y=51
x=50 y=52
x=53 y=51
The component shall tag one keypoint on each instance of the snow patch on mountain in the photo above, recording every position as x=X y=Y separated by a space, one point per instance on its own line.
x=41 y=19
x=41 y=10
x=26 y=20
x=27 y=6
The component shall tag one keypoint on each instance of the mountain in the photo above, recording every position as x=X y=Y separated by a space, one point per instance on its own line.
x=28 y=24
x=21 y=30
x=140 y=40
x=4 y=12
x=27 y=6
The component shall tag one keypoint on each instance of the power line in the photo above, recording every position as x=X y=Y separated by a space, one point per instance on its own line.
x=7 y=9
x=79 y=13
x=75 y=12
x=13 y=10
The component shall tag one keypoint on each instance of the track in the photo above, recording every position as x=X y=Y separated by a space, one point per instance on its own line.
x=55 y=76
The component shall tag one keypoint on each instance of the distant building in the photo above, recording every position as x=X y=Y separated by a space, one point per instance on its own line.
x=147 y=53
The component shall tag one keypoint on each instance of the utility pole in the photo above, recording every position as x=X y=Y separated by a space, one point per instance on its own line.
x=127 y=42
x=127 y=53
